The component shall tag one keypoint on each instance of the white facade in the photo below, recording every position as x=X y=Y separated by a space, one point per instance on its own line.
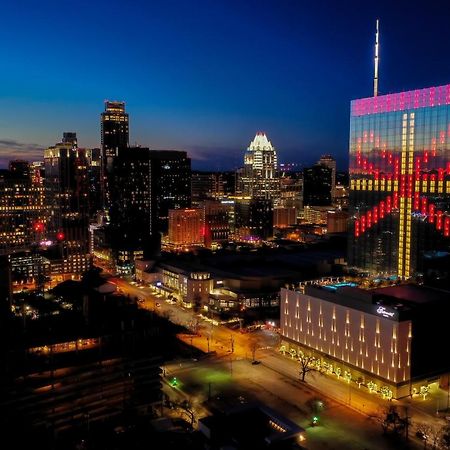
x=260 y=169
x=359 y=340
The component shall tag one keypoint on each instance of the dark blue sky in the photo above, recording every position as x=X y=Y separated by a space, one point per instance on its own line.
x=204 y=76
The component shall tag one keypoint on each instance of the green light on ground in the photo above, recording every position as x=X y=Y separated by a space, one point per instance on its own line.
x=174 y=381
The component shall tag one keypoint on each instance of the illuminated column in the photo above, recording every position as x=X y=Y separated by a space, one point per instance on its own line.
x=406 y=194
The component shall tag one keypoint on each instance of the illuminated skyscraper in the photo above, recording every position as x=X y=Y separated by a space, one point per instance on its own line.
x=260 y=177
x=22 y=206
x=115 y=130
x=114 y=136
x=400 y=180
x=67 y=197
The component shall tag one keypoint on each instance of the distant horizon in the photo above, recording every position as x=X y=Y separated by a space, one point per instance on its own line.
x=205 y=77
x=199 y=162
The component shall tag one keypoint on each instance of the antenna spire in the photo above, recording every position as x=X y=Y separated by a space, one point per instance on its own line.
x=377 y=44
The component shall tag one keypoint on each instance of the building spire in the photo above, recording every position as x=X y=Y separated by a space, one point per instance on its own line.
x=377 y=45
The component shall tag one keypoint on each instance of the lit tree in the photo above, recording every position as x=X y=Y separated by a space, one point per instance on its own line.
x=347 y=376
x=307 y=364
x=386 y=392
x=424 y=390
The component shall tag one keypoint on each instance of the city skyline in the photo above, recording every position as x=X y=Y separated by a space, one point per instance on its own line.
x=285 y=70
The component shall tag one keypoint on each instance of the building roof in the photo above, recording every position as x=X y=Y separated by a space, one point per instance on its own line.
x=399 y=301
x=413 y=293
x=419 y=98
x=260 y=142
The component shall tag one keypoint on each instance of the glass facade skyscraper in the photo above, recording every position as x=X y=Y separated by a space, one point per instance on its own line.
x=399 y=180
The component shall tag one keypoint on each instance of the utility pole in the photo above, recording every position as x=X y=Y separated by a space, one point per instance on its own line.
x=448 y=391
x=232 y=343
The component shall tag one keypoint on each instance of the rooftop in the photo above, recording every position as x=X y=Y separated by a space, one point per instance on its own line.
x=419 y=98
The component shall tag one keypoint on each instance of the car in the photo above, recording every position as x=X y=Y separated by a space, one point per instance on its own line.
x=422 y=435
x=158 y=304
x=256 y=362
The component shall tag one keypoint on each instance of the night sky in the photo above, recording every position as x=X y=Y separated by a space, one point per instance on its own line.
x=204 y=76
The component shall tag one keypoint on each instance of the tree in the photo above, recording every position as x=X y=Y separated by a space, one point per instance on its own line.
x=445 y=437
x=391 y=420
x=307 y=364
x=429 y=435
x=253 y=346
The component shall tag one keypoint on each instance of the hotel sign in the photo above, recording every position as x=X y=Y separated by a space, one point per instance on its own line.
x=386 y=312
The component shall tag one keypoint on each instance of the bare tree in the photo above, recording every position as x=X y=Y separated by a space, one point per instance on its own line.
x=253 y=346
x=431 y=435
x=306 y=364
x=391 y=420
x=445 y=437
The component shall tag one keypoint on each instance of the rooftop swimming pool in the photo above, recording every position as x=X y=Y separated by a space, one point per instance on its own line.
x=336 y=286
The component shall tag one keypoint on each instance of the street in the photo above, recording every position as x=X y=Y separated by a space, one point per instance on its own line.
x=347 y=405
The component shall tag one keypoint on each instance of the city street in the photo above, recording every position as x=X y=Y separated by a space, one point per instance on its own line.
x=346 y=404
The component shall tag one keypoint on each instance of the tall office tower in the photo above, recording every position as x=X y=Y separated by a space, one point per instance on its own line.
x=114 y=129
x=114 y=122
x=22 y=207
x=217 y=221
x=260 y=176
x=186 y=227
x=67 y=197
x=253 y=217
x=400 y=180
x=212 y=185
x=130 y=212
x=317 y=182
x=204 y=186
x=171 y=185
x=330 y=162
x=291 y=190
x=146 y=185
x=94 y=159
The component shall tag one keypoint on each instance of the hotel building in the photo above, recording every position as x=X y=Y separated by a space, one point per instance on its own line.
x=399 y=180
x=386 y=339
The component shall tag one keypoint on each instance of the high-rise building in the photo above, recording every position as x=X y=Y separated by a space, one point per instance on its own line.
x=217 y=221
x=260 y=176
x=399 y=180
x=291 y=190
x=330 y=162
x=146 y=184
x=67 y=199
x=317 y=185
x=114 y=122
x=94 y=159
x=186 y=227
x=114 y=130
x=253 y=217
x=212 y=185
x=171 y=185
x=22 y=207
